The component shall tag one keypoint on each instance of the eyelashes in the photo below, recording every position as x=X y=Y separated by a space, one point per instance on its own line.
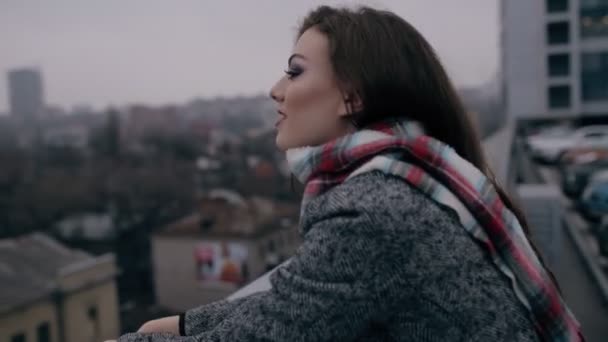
x=293 y=73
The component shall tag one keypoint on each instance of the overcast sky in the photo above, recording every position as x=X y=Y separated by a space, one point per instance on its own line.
x=102 y=52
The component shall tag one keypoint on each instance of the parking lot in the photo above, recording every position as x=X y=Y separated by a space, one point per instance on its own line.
x=581 y=269
x=574 y=218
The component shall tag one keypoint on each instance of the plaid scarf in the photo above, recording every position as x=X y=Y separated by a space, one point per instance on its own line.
x=400 y=148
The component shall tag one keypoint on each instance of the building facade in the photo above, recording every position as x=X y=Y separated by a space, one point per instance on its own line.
x=555 y=58
x=49 y=293
x=229 y=242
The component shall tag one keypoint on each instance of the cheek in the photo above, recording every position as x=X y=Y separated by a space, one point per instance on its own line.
x=298 y=98
x=311 y=105
x=309 y=128
x=312 y=94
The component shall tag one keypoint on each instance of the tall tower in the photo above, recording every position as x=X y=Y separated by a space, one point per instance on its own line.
x=26 y=96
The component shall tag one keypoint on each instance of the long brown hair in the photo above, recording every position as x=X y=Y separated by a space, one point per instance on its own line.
x=385 y=62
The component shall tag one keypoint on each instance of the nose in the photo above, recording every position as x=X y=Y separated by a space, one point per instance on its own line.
x=277 y=92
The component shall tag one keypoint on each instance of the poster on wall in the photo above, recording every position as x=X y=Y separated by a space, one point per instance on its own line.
x=221 y=262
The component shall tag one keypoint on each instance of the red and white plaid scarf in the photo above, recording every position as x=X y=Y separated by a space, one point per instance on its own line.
x=400 y=148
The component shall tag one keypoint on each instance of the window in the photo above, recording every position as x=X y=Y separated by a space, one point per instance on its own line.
x=559 y=64
x=558 y=33
x=554 y=6
x=594 y=76
x=44 y=333
x=92 y=312
x=93 y=315
x=594 y=18
x=559 y=96
x=18 y=337
x=206 y=223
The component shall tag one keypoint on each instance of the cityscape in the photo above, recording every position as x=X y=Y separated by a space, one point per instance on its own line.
x=113 y=216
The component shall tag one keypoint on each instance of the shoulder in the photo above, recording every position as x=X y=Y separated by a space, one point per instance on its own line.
x=387 y=208
x=383 y=199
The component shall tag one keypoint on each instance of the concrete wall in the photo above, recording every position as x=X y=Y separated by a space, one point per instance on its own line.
x=523 y=57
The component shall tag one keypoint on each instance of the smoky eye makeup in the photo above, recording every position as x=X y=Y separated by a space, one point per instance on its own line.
x=293 y=70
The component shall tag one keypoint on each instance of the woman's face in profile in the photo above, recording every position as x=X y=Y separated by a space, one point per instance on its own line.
x=310 y=103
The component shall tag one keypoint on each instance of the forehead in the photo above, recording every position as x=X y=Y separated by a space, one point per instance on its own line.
x=313 y=45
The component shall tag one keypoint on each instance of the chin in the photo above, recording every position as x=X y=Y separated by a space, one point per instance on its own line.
x=284 y=144
x=280 y=143
x=280 y=148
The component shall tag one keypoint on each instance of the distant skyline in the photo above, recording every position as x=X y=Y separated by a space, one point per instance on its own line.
x=115 y=52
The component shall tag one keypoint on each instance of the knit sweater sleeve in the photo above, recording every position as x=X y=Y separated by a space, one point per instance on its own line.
x=205 y=317
x=342 y=278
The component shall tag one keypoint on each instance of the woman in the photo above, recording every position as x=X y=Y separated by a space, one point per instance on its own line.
x=406 y=236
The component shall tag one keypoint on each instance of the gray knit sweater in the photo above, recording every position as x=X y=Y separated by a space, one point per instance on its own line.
x=380 y=261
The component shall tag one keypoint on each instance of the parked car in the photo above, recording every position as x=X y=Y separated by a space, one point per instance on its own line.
x=575 y=177
x=557 y=130
x=601 y=233
x=550 y=148
x=593 y=203
x=545 y=132
x=582 y=155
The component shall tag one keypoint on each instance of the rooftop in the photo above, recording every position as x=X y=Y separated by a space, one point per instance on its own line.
x=225 y=214
x=29 y=268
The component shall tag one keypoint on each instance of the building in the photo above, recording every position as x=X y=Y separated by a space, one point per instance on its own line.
x=229 y=242
x=54 y=111
x=209 y=173
x=50 y=293
x=66 y=134
x=87 y=226
x=8 y=136
x=143 y=121
x=555 y=57
x=26 y=95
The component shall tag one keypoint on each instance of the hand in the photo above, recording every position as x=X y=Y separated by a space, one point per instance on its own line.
x=162 y=325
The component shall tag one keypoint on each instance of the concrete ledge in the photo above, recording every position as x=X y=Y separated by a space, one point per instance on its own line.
x=260 y=284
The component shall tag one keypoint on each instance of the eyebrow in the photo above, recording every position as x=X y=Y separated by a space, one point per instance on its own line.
x=295 y=55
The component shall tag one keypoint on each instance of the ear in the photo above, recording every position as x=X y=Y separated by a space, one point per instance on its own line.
x=352 y=104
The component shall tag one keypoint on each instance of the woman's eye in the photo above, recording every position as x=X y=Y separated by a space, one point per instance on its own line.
x=292 y=73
